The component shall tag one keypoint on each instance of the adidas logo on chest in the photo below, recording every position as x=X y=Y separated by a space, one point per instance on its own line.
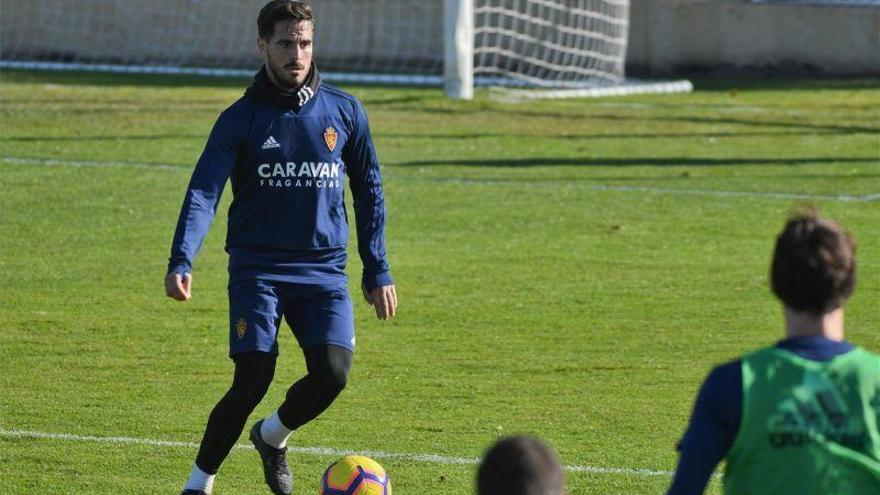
x=271 y=143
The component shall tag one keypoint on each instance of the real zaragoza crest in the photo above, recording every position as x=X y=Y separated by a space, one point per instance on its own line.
x=240 y=327
x=330 y=137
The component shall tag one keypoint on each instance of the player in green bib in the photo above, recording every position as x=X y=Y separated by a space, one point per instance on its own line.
x=800 y=417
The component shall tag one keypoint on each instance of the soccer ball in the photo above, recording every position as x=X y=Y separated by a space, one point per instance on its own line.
x=355 y=475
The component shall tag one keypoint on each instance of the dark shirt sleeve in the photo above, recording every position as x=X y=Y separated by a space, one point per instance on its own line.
x=369 y=201
x=712 y=429
x=203 y=193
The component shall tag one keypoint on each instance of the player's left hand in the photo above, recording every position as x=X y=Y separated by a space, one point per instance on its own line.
x=383 y=299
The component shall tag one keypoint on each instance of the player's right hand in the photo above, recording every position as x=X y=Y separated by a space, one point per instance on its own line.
x=177 y=287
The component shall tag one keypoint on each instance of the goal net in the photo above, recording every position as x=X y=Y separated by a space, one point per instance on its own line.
x=523 y=43
x=551 y=43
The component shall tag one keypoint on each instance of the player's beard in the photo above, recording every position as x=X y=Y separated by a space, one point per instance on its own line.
x=284 y=77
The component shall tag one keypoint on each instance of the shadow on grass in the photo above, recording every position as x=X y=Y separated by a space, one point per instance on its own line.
x=782 y=83
x=368 y=102
x=455 y=137
x=622 y=162
x=641 y=118
x=639 y=180
x=77 y=78
x=726 y=84
x=849 y=129
x=452 y=137
x=600 y=136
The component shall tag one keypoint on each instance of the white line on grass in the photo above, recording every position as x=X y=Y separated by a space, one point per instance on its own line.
x=595 y=187
x=317 y=451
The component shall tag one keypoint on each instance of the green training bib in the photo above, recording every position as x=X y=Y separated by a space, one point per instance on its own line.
x=807 y=427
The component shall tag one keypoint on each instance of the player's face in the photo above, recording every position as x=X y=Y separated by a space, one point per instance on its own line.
x=288 y=54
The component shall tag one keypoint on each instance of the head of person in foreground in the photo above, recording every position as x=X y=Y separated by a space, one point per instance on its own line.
x=813 y=273
x=520 y=465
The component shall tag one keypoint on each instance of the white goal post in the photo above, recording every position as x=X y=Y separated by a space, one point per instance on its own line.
x=557 y=48
x=458 y=49
x=561 y=47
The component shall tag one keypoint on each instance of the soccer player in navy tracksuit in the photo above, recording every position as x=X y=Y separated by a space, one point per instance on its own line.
x=799 y=417
x=286 y=145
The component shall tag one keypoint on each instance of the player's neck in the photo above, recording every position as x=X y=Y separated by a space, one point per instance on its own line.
x=803 y=324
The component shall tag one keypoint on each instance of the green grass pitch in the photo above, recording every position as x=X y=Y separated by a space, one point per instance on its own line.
x=569 y=269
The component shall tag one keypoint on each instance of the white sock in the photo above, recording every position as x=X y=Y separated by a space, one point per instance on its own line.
x=200 y=480
x=273 y=431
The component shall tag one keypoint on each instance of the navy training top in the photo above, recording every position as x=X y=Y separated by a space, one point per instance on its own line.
x=718 y=410
x=287 y=221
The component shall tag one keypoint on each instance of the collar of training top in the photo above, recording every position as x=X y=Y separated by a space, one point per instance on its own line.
x=263 y=89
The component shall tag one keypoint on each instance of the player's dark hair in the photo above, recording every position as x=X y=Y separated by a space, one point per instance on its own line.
x=520 y=465
x=282 y=10
x=814 y=264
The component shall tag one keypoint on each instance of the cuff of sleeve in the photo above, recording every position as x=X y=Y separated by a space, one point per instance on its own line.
x=181 y=268
x=375 y=280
